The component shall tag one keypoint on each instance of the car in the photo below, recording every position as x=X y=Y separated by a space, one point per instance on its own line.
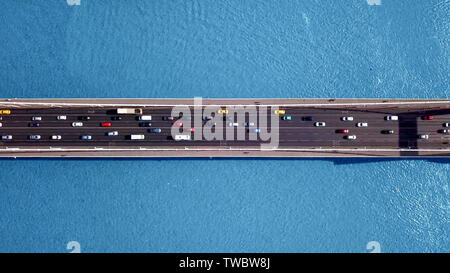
x=145 y=118
x=279 y=112
x=206 y=118
x=179 y=124
x=231 y=124
x=34 y=124
x=387 y=132
x=308 y=118
x=55 y=137
x=1 y=118
x=105 y=124
x=391 y=117
x=155 y=130
x=116 y=118
x=423 y=137
x=256 y=130
x=145 y=124
x=362 y=124
x=350 y=137
x=61 y=117
x=86 y=137
x=7 y=137
x=447 y=124
x=342 y=131
x=286 y=118
x=34 y=137
x=5 y=112
x=347 y=118
x=444 y=131
x=222 y=111
x=320 y=124
x=84 y=118
x=190 y=129
x=428 y=117
x=113 y=133
x=77 y=124
x=248 y=124
x=168 y=118
x=36 y=118
x=1 y=124
x=182 y=137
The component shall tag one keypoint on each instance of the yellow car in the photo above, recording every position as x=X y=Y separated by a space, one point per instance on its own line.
x=281 y=112
x=222 y=111
x=5 y=112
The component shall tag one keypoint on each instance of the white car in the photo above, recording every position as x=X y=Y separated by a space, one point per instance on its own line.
x=113 y=133
x=235 y=124
x=362 y=124
x=7 y=137
x=350 y=137
x=447 y=124
x=36 y=118
x=77 y=124
x=423 y=136
x=1 y=124
x=347 y=118
x=56 y=137
x=391 y=117
x=320 y=124
x=35 y=137
x=61 y=117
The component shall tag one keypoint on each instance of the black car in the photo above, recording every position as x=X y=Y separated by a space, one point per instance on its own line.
x=387 y=132
x=34 y=124
x=145 y=124
x=309 y=118
x=84 y=118
x=168 y=118
x=116 y=118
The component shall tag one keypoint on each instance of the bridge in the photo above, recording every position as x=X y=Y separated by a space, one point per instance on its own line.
x=224 y=128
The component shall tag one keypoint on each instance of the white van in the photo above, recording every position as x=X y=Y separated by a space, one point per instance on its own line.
x=145 y=117
x=137 y=137
x=182 y=137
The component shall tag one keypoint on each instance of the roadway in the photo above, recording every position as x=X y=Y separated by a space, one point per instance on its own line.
x=292 y=133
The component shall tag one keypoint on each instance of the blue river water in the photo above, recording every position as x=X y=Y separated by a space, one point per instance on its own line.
x=224 y=49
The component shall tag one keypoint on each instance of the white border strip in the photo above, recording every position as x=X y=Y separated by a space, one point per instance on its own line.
x=52 y=149
x=53 y=104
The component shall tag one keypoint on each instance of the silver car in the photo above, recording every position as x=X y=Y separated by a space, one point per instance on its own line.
x=35 y=137
x=113 y=133
x=347 y=118
x=423 y=136
x=86 y=137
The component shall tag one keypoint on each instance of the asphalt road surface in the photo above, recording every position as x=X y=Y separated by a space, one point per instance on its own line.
x=292 y=133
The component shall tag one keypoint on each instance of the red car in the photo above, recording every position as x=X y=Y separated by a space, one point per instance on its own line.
x=428 y=117
x=191 y=130
x=342 y=131
x=106 y=124
x=179 y=124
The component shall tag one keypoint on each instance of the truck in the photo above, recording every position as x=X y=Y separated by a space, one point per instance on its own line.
x=182 y=137
x=137 y=137
x=129 y=111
